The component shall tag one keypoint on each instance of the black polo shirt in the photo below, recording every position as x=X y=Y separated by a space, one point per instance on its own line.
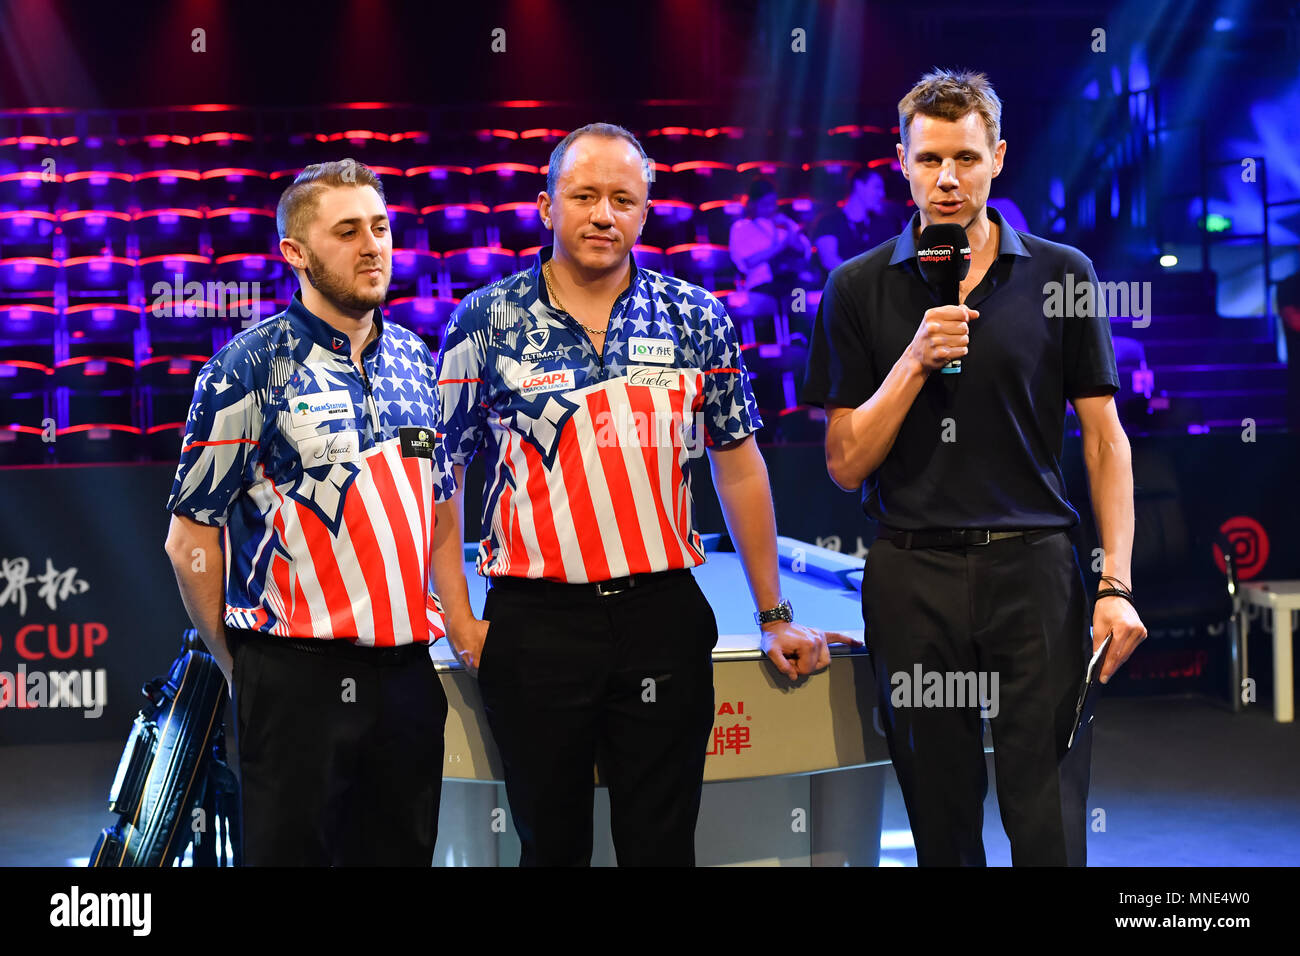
x=979 y=449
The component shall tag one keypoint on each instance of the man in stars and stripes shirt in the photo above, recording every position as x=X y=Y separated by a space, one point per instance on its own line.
x=311 y=444
x=588 y=383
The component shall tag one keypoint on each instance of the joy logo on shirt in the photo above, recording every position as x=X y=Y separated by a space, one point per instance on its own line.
x=658 y=351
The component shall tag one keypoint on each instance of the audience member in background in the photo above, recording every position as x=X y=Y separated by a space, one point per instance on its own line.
x=1288 y=307
x=864 y=221
x=767 y=246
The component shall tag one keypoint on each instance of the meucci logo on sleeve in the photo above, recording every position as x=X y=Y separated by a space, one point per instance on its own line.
x=658 y=351
x=338 y=448
x=308 y=410
x=538 y=382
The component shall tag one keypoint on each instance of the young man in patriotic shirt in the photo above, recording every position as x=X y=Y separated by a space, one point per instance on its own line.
x=589 y=383
x=312 y=443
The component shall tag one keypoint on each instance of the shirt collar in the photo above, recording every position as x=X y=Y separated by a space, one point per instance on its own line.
x=1009 y=242
x=539 y=281
x=325 y=335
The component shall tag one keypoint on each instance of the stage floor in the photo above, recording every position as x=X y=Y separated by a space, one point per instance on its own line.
x=1183 y=783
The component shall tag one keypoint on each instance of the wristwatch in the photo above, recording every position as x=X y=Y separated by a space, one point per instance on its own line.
x=782 y=612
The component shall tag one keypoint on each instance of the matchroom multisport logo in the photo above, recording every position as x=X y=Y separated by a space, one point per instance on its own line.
x=75 y=909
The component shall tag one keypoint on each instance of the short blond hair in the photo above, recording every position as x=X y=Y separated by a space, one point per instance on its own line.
x=950 y=95
x=298 y=203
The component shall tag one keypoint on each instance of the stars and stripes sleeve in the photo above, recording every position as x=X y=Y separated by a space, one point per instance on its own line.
x=461 y=362
x=221 y=433
x=444 y=479
x=730 y=412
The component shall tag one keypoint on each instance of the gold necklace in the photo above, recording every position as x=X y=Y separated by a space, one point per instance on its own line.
x=550 y=290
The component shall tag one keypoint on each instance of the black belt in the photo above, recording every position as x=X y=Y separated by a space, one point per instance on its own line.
x=590 y=588
x=337 y=648
x=956 y=537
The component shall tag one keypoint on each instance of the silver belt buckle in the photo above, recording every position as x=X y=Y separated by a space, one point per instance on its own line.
x=987 y=538
x=606 y=588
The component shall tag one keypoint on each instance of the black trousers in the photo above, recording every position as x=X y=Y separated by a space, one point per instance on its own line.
x=340 y=753
x=1014 y=608
x=570 y=680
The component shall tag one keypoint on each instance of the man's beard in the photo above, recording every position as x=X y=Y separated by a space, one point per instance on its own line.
x=338 y=291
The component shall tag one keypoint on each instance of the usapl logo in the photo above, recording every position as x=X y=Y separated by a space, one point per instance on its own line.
x=537 y=339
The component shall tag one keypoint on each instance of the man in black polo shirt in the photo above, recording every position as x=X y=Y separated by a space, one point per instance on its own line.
x=973 y=580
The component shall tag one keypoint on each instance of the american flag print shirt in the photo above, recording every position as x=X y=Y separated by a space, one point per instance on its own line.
x=587 y=455
x=324 y=479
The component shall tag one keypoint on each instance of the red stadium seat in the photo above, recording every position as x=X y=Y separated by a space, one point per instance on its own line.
x=95 y=231
x=163 y=442
x=171 y=230
x=671 y=223
x=20 y=375
x=98 y=442
x=518 y=225
x=456 y=225
x=28 y=322
x=165 y=268
x=29 y=275
x=238 y=186
x=167 y=188
x=243 y=229
x=96 y=189
x=29 y=189
x=803 y=424
x=24 y=445
x=250 y=267
x=439 y=185
x=27 y=232
x=412 y=265
x=476 y=266
x=706 y=180
x=424 y=315
x=170 y=371
x=95 y=373
x=102 y=321
x=703 y=263
x=717 y=216
x=98 y=274
x=650 y=257
x=497 y=183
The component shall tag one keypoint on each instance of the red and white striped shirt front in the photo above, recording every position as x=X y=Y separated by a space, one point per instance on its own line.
x=588 y=455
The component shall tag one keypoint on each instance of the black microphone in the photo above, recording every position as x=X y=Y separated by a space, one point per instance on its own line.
x=944 y=258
